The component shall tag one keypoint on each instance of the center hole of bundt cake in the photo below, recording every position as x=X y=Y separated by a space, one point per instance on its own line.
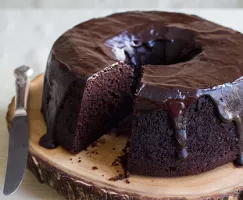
x=161 y=52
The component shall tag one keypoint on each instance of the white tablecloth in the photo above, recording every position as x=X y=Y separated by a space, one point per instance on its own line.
x=26 y=37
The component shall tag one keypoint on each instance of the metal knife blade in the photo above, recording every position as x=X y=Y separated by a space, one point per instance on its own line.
x=19 y=133
x=17 y=154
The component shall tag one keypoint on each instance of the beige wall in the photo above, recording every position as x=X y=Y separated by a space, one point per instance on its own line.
x=115 y=4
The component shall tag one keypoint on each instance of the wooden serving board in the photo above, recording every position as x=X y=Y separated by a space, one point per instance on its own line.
x=86 y=175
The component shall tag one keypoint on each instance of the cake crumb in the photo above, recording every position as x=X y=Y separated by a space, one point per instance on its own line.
x=124 y=150
x=117 y=178
x=127 y=181
x=94 y=168
x=116 y=162
x=94 y=152
x=120 y=177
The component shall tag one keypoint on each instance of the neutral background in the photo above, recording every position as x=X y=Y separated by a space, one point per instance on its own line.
x=26 y=36
x=121 y=3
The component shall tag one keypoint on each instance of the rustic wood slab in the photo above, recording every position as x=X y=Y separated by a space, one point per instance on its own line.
x=86 y=175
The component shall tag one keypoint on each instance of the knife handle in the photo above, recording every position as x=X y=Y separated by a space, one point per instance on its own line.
x=22 y=75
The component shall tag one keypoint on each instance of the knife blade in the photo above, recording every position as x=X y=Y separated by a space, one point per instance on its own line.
x=19 y=133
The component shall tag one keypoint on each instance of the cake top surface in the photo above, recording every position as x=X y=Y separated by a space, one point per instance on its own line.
x=177 y=50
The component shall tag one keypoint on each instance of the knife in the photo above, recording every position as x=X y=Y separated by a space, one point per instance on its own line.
x=19 y=133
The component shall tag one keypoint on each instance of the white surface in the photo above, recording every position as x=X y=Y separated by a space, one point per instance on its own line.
x=162 y=4
x=26 y=37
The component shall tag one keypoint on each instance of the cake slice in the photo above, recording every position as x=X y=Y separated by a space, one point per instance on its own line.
x=86 y=114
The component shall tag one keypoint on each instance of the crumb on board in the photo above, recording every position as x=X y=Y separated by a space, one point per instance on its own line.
x=94 y=168
x=124 y=150
x=116 y=162
x=117 y=178
x=120 y=177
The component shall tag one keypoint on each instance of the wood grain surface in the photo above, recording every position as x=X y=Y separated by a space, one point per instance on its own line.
x=86 y=175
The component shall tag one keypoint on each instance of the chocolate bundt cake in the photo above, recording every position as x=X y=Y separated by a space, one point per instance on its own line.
x=177 y=75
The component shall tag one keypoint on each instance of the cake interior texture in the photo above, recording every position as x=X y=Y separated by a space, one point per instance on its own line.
x=153 y=147
x=106 y=101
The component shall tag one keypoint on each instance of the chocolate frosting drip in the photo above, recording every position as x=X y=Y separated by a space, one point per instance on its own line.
x=164 y=52
x=196 y=58
x=227 y=98
x=180 y=121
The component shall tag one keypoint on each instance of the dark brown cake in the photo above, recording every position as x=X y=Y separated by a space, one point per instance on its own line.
x=167 y=69
x=83 y=116
x=154 y=151
x=106 y=93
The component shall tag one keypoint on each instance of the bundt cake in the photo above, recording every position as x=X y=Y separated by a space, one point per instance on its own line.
x=177 y=77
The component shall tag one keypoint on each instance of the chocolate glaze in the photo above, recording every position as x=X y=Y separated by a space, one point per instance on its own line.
x=164 y=52
x=58 y=78
x=202 y=59
x=227 y=98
